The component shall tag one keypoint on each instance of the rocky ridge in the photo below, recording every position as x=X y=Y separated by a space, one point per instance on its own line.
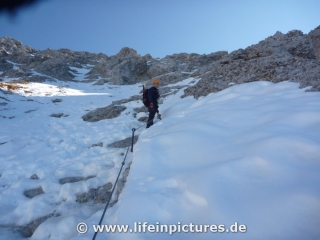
x=282 y=57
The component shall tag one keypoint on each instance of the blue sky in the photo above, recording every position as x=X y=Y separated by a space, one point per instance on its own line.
x=157 y=27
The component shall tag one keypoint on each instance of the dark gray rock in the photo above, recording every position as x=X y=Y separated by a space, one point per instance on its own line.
x=19 y=73
x=31 y=193
x=281 y=57
x=128 y=68
x=39 y=79
x=74 y=179
x=314 y=37
x=53 y=64
x=27 y=230
x=126 y=100
x=101 y=82
x=100 y=69
x=127 y=53
x=100 y=144
x=57 y=100
x=141 y=109
x=29 y=111
x=4 y=65
x=12 y=48
x=143 y=119
x=108 y=112
x=34 y=177
x=124 y=143
x=121 y=183
x=57 y=115
x=98 y=195
x=56 y=68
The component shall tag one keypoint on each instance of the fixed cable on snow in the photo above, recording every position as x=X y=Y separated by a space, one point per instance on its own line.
x=134 y=129
x=114 y=186
x=122 y=164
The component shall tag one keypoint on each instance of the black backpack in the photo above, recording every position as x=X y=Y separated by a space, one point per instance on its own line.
x=145 y=98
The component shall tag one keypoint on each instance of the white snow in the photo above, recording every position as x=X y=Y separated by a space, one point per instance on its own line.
x=15 y=65
x=80 y=72
x=46 y=89
x=248 y=154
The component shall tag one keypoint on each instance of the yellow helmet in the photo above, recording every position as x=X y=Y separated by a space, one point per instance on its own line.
x=156 y=81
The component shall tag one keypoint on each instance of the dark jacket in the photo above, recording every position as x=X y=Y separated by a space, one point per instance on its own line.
x=153 y=96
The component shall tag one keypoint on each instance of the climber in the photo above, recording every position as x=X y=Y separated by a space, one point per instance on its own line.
x=153 y=96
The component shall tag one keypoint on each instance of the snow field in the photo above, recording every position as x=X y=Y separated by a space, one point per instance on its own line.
x=248 y=154
x=55 y=148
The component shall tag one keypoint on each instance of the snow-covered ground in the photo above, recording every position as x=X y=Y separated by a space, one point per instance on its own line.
x=248 y=154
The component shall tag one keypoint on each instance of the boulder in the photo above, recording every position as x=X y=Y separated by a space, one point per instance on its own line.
x=34 y=177
x=31 y=193
x=111 y=111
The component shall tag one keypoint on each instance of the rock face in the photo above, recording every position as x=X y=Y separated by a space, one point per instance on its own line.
x=293 y=56
x=314 y=37
x=281 y=57
x=51 y=64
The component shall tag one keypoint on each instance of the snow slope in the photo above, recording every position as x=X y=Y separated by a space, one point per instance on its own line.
x=248 y=154
x=33 y=142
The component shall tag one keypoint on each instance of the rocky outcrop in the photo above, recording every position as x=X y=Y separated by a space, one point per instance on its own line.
x=314 y=37
x=4 y=65
x=124 y=143
x=111 y=111
x=34 y=177
x=98 y=195
x=131 y=68
x=281 y=57
x=126 y=67
x=14 y=49
x=56 y=68
x=52 y=64
x=101 y=69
